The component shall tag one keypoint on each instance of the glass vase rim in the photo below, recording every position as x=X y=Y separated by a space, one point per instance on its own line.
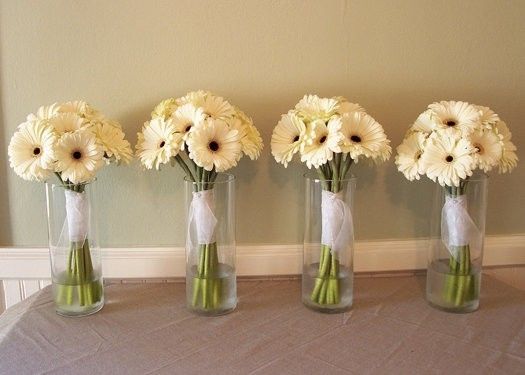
x=69 y=184
x=308 y=176
x=229 y=178
x=478 y=177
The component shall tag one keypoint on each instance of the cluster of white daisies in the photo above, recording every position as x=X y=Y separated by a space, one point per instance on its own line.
x=212 y=133
x=72 y=140
x=450 y=140
x=318 y=128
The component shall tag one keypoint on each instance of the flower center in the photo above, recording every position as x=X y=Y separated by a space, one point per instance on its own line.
x=188 y=128
x=296 y=138
x=449 y=158
x=162 y=144
x=355 y=138
x=77 y=155
x=214 y=146
x=322 y=139
x=451 y=123
x=36 y=151
x=418 y=155
x=479 y=148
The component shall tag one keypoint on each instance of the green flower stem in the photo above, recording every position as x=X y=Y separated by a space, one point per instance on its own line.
x=207 y=293
x=459 y=285
x=184 y=167
x=326 y=286
x=77 y=280
x=207 y=285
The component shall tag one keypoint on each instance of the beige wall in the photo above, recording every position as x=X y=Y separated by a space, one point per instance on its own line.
x=393 y=57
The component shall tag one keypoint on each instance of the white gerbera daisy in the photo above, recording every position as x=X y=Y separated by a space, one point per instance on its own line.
x=487 y=116
x=217 y=107
x=488 y=149
x=157 y=143
x=78 y=157
x=503 y=131
x=250 y=138
x=31 y=151
x=111 y=137
x=289 y=137
x=408 y=158
x=363 y=136
x=67 y=122
x=164 y=109
x=461 y=117
x=425 y=123
x=214 y=145
x=447 y=159
x=326 y=141
x=79 y=107
x=185 y=118
x=44 y=112
x=195 y=97
x=347 y=107
x=312 y=107
x=509 y=159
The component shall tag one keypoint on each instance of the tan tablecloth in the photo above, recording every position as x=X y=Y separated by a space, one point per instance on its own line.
x=145 y=328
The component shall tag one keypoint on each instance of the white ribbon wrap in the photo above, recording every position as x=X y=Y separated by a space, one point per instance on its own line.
x=337 y=222
x=202 y=215
x=457 y=227
x=77 y=212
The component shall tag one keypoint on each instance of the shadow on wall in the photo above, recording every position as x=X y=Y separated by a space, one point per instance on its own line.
x=5 y=222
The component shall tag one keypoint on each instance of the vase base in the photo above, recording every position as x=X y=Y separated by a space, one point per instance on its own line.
x=80 y=313
x=327 y=309
x=456 y=310
x=211 y=313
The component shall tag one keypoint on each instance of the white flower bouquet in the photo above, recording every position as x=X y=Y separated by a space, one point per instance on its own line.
x=71 y=141
x=205 y=135
x=448 y=143
x=329 y=134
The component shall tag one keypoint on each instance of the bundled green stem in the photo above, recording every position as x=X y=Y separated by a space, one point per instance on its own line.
x=460 y=283
x=78 y=285
x=326 y=290
x=207 y=287
x=207 y=283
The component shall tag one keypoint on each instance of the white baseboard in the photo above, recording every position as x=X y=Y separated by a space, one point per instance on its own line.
x=257 y=260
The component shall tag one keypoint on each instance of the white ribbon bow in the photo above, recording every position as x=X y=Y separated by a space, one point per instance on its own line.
x=337 y=222
x=457 y=227
x=202 y=216
x=77 y=212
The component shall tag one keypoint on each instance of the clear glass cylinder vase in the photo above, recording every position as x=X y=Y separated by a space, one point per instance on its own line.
x=456 y=245
x=211 y=287
x=76 y=268
x=327 y=280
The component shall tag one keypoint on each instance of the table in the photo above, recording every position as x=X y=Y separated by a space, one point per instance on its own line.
x=145 y=328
